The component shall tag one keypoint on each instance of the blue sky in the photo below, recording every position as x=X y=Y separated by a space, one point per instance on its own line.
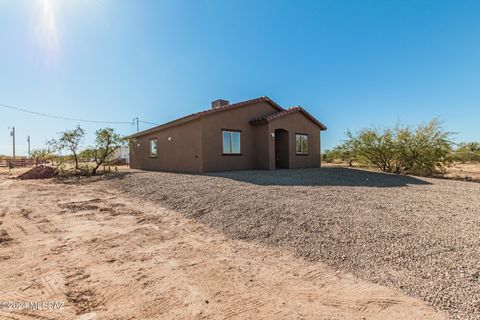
x=350 y=63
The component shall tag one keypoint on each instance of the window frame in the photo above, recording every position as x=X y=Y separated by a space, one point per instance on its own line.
x=223 y=130
x=305 y=153
x=150 y=147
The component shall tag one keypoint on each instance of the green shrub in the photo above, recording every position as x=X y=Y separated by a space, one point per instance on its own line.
x=468 y=152
x=423 y=150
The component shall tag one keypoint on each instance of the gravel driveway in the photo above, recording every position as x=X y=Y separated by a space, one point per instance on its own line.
x=419 y=235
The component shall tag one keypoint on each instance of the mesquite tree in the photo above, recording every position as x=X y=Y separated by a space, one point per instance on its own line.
x=41 y=156
x=106 y=142
x=70 y=140
x=468 y=152
x=422 y=150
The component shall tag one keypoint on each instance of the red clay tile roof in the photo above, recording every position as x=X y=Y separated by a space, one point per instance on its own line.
x=286 y=112
x=197 y=115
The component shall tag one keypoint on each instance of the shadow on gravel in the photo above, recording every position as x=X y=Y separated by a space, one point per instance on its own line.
x=325 y=176
x=320 y=177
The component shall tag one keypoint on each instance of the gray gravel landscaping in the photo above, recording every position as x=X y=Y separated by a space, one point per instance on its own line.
x=419 y=235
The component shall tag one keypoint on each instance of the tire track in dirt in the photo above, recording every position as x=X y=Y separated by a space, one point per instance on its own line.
x=28 y=238
x=25 y=233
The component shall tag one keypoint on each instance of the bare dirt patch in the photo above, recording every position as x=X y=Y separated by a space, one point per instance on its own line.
x=464 y=171
x=139 y=260
x=421 y=236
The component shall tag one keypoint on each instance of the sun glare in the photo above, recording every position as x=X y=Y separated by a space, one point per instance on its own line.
x=48 y=23
x=46 y=29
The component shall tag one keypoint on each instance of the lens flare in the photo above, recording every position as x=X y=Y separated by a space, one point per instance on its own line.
x=46 y=30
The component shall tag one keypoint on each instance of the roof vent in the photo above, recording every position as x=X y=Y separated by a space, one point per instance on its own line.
x=219 y=103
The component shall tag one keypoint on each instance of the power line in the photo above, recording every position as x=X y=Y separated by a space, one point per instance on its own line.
x=155 y=124
x=61 y=117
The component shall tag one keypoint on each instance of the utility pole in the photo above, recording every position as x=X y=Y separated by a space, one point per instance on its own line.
x=28 y=140
x=136 y=120
x=12 y=133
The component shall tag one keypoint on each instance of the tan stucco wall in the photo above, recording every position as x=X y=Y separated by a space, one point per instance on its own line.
x=254 y=154
x=197 y=146
x=182 y=153
x=297 y=123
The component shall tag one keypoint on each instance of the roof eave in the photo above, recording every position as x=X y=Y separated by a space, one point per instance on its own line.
x=163 y=126
x=293 y=110
x=312 y=118
x=200 y=114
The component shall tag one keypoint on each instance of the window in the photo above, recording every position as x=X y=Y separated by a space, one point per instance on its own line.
x=153 y=147
x=301 y=143
x=231 y=142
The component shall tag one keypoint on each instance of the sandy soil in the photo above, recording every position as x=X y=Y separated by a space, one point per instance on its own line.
x=108 y=255
x=464 y=170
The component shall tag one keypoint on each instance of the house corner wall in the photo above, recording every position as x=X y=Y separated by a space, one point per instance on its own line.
x=320 y=146
x=253 y=141
x=179 y=149
x=297 y=123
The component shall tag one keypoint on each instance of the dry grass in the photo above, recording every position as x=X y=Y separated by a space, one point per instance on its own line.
x=419 y=235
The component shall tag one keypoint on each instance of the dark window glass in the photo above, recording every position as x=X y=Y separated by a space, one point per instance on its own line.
x=301 y=143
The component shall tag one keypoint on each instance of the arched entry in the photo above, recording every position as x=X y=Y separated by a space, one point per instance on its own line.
x=281 y=149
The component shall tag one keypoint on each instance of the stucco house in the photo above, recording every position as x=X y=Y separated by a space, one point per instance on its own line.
x=253 y=134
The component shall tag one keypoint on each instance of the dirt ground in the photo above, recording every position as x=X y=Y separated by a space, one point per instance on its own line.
x=462 y=170
x=108 y=255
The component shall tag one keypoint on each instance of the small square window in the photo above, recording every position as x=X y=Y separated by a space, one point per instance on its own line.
x=153 y=147
x=301 y=144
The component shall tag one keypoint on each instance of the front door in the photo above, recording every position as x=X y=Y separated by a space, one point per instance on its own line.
x=281 y=149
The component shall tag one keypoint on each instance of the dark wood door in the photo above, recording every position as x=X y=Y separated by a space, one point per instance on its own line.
x=281 y=149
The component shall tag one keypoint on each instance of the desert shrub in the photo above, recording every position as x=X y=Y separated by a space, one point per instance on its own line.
x=467 y=152
x=106 y=142
x=41 y=155
x=342 y=153
x=423 y=150
x=87 y=155
x=328 y=156
x=71 y=141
